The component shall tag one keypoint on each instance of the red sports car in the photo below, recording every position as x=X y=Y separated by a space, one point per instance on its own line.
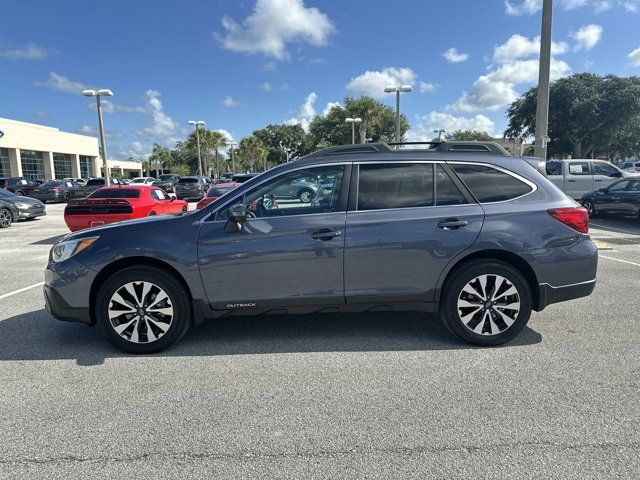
x=215 y=192
x=115 y=204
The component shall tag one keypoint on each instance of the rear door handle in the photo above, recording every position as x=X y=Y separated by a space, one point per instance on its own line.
x=572 y=181
x=452 y=224
x=325 y=234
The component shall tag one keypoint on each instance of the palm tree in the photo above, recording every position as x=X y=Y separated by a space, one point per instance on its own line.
x=366 y=108
x=211 y=140
x=160 y=156
x=252 y=151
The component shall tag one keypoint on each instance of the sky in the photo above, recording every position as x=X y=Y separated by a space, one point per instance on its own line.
x=241 y=65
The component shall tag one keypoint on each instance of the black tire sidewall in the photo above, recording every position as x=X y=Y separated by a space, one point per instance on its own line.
x=173 y=288
x=10 y=216
x=465 y=274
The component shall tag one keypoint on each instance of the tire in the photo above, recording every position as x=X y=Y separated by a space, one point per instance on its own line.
x=6 y=218
x=491 y=327
x=184 y=209
x=152 y=213
x=67 y=197
x=137 y=280
x=20 y=193
x=305 y=196
x=591 y=208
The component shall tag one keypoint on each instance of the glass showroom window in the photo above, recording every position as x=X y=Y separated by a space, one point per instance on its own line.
x=5 y=171
x=86 y=167
x=62 y=165
x=32 y=164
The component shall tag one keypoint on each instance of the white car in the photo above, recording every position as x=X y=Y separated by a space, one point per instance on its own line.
x=633 y=166
x=143 y=181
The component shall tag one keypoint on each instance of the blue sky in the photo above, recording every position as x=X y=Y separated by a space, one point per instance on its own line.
x=240 y=65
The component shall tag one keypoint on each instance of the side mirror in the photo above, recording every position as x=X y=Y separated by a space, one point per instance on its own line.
x=237 y=216
x=602 y=190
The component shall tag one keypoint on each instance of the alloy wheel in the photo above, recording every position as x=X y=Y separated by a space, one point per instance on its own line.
x=489 y=304
x=5 y=218
x=305 y=197
x=140 y=312
x=590 y=208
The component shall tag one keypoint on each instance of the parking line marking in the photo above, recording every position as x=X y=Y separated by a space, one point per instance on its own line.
x=15 y=292
x=613 y=228
x=610 y=258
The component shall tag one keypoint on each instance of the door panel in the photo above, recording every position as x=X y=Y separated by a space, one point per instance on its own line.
x=274 y=262
x=401 y=252
x=578 y=179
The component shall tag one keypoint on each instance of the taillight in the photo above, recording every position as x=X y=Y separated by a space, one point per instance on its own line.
x=574 y=217
x=638 y=169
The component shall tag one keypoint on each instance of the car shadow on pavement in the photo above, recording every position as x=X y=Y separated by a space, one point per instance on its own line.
x=38 y=336
x=48 y=241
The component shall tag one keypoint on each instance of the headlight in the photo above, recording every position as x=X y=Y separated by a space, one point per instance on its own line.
x=21 y=205
x=67 y=249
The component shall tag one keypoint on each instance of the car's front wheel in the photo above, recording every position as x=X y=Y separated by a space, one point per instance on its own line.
x=486 y=302
x=6 y=218
x=305 y=196
x=143 y=309
x=591 y=208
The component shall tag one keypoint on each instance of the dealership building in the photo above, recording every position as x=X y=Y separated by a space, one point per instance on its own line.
x=40 y=152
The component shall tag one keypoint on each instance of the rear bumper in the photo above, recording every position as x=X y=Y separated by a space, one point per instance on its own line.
x=550 y=294
x=80 y=222
x=49 y=197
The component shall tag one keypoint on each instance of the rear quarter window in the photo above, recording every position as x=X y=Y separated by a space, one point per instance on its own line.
x=489 y=184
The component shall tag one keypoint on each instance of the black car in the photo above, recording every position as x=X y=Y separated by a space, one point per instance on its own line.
x=620 y=198
x=8 y=212
x=26 y=207
x=243 y=177
x=18 y=185
x=95 y=183
x=167 y=182
x=191 y=188
x=58 y=191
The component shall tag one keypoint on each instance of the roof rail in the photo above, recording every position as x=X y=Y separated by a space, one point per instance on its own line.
x=356 y=148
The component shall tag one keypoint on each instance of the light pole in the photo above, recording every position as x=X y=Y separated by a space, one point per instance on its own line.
x=542 y=107
x=353 y=122
x=233 y=166
x=103 y=92
x=398 y=91
x=196 y=124
x=440 y=131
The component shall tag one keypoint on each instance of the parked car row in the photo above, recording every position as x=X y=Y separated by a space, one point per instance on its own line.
x=15 y=207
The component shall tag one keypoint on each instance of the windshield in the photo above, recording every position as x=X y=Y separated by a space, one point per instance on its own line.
x=188 y=180
x=219 y=191
x=166 y=177
x=115 y=193
x=139 y=180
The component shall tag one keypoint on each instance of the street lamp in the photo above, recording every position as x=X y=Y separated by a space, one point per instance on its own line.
x=233 y=167
x=195 y=125
x=398 y=91
x=440 y=131
x=103 y=92
x=353 y=122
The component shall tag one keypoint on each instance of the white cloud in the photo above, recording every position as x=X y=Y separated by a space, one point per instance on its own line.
x=423 y=127
x=329 y=106
x=631 y=6
x=273 y=24
x=163 y=127
x=497 y=88
x=41 y=114
x=230 y=102
x=373 y=83
x=306 y=112
x=30 y=51
x=634 y=57
x=587 y=37
x=266 y=86
x=602 y=6
x=136 y=150
x=428 y=87
x=62 y=84
x=525 y=7
x=519 y=46
x=452 y=55
x=93 y=131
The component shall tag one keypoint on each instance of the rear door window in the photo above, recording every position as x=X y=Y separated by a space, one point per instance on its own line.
x=397 y=185
x=489 y=184
x=579 y=168
x=447 y=193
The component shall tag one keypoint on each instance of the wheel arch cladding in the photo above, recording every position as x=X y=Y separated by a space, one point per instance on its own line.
x=510 y=258
x=123 y=263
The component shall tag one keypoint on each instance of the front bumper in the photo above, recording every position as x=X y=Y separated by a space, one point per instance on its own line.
x=550 y=294
x=31 y=212
x=56 y=306
x=67 y=287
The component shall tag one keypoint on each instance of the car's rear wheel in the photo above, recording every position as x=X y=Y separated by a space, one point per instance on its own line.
x=486 y=302
x=591 y=208
x=152 y=213
x=305 y=196
x=67 y=197
x=143 y=309
x=6 y=218
x=20 y=193
x=184 y=209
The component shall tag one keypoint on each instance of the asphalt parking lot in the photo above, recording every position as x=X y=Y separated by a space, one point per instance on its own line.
x=325 y=396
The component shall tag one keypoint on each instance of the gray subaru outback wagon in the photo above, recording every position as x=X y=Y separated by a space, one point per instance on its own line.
x=474 y=234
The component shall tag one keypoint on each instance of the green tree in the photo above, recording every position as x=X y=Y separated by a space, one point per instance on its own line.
x=586 y=113
x=211 y=142
x=469 y=135
x=251 y=154
x=180 y=169
x=378 y=123
x=160 y=157
x=283 y=142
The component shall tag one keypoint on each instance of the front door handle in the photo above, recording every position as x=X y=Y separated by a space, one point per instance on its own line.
x=571 y=181
x=597 y=180
x=325 y=234
x=452 y=224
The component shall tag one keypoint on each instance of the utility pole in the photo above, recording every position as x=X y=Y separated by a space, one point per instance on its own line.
x=398 y=90
x=196 y=124
x=103 y=92
x=542 y=108
x=440 y=131
x=353 y=122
